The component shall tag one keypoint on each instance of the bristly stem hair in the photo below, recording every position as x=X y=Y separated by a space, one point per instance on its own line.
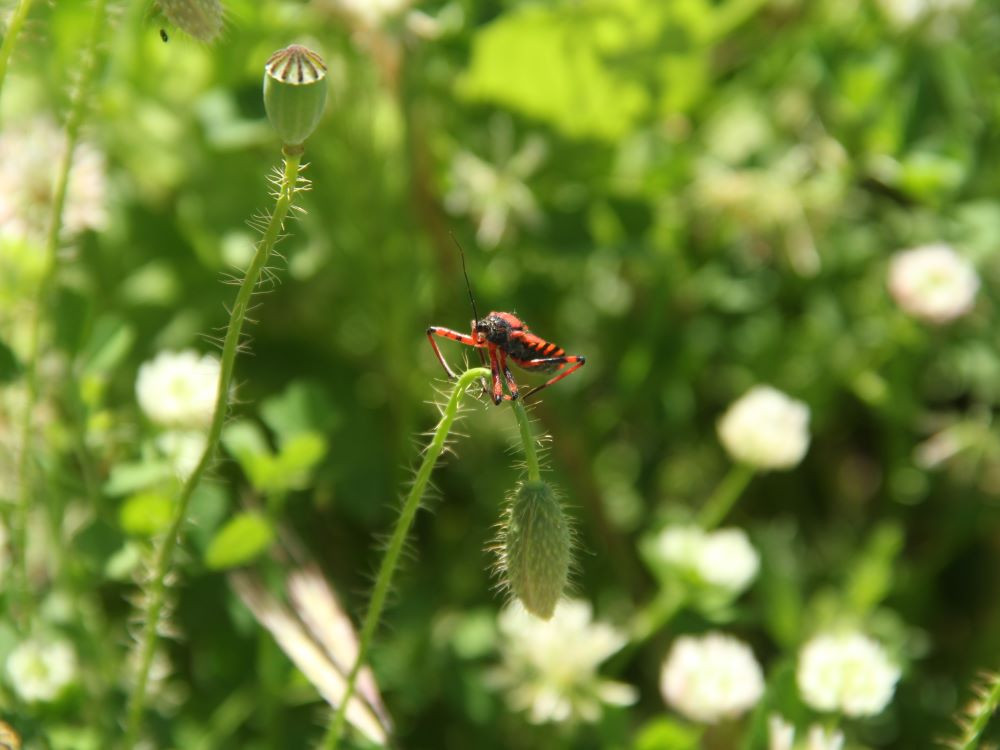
x=13 y=31
x=156 y=596
x=74 y=121
x=387 y=568
x=976 y=716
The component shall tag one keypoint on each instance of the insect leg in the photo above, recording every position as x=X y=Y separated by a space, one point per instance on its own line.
x=575 y=360
x=495 y=367
x=447 y=333
x=509 y=376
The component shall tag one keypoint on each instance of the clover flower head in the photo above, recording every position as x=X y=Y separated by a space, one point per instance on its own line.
x=847 y=672
x=711 y=677
x=724 y=558
x=933 y=283
x=30 y=152
x=550 y=666
x=781 y=736
x=178 y=389
x=40 y=670
x=765 y=429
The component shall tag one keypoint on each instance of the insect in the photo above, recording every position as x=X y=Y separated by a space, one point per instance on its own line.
x=163 y=36
x=504 y=336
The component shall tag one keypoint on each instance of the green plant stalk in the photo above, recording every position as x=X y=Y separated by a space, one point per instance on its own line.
x=74 y=121
x=165 y=551
x=387 y=568
x=13 y=31
x=978 y=715
x=527 y=440
x=717 y=506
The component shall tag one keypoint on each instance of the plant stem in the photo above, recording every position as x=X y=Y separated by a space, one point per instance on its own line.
x=19 y=521
x=978 y=714
x=164 y=554
x=527 y=440
x=388 y=566
x=717 y=507
x=13 y=30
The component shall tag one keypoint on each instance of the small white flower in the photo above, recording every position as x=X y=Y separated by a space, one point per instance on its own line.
x=29 y=154
x=847 y=672
x=780 y=734
x=723 y=558
x=765 y=429
x=40 y=670
x=550 y=666
x=823 y=739
x=183 y=448
x=370 y=14
x=496 y=195
x=933 y=283
x=178 y=389
x=711 y=677
x=903 y=13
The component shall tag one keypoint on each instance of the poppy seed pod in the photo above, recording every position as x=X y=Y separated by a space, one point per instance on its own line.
x=294 y=92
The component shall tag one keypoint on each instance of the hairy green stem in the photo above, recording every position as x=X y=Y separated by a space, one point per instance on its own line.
x=978 y=714
x=527 y=440
x=388 y=566
x=717 y=506
x=13 y=31
x=74 y=121
x=165 y=551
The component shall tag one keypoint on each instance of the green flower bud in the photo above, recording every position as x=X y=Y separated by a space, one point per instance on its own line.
x=201 y=19
x=294 y=92
x=535 y=542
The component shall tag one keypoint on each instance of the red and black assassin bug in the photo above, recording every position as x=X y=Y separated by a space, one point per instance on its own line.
x=505 y=336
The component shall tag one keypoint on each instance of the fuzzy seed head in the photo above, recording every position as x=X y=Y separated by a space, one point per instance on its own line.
x=202 y=19
x=535 y=548
x=294 y=92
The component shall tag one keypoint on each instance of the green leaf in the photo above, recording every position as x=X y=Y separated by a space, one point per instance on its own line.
x=238 y=542
x=146 y=514
x=667 y=734
x=555 y=64
x=130 y=477
x=107 y=346
x=301 y=407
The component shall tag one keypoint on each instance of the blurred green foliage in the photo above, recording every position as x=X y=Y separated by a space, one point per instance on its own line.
x=697 y=195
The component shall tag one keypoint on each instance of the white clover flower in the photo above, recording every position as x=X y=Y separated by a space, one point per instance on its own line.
x=933 y=283
x=178 y=389
x=780 y=734
x=496 y=195
x=29 y=154
x=183 y=448
x=723 y=558
x=40 y=670
x=711 y=677
x=819 y=738
x=765 y=429
x=846 y=672
x=550 y=666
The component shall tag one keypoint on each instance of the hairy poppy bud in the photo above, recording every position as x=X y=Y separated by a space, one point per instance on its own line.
x=535 y=548
x=202 y=19
x=294 y=92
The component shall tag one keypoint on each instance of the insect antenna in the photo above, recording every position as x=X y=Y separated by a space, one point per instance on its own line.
x=472 y=299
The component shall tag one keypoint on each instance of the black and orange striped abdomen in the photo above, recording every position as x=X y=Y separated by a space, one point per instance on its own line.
x=527 y=346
